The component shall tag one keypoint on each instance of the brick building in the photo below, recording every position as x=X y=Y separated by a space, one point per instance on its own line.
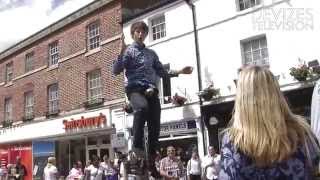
x=57 y=93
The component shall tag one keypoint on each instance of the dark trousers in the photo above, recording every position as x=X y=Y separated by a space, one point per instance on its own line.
x=146 y=109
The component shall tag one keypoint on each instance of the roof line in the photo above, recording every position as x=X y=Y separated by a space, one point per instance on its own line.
x=72 y=17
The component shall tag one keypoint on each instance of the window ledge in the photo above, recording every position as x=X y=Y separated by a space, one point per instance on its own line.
x=93 y=103
x=27 y=118
x=30 y=72
x=52 y=67
x=93 y=51
x=157 y=41
x=52 y=114
x=249 y=10
x=8 y=84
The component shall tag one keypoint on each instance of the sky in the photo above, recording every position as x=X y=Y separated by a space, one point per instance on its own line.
x=21 y=18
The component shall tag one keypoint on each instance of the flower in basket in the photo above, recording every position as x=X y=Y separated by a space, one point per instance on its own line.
x=178 y=100
x=300 y=73
x=209 y=92
x=128 y=108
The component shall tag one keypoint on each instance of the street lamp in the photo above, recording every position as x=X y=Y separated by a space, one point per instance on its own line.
x=213 y=121
x=196 y=42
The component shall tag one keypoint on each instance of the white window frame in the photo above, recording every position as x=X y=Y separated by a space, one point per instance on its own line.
x=8 y=109
x=94 y=39
x=9 y=72
x=53 y=98
x=158 y=27
x=247 y=4
x=28 y=104
x=94 y=85
x=261 y=49
x=29 y=62
x=53 y=53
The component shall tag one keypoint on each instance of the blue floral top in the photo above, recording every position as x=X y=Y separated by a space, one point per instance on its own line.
x=237 y=166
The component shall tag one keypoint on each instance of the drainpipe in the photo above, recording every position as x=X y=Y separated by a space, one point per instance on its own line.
x=196 y=43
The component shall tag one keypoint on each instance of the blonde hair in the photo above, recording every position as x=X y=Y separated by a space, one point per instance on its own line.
x=51 y=161
x=263 y=126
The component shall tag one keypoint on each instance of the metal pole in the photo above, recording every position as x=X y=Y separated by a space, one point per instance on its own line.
x=196 y=42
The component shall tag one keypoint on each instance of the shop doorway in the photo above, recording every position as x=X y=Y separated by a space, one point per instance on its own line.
x=99 y=146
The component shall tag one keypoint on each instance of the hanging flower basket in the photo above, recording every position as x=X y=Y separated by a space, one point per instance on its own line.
x=300 y=73
x=208 y=93
x=178 y=100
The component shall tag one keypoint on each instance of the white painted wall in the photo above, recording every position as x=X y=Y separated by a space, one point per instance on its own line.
x=222 y=26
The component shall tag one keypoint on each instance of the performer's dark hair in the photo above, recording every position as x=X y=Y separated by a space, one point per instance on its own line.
x=139 y=25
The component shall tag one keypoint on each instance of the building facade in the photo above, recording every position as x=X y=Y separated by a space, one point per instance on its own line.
x=57 y=92
x=277 y=34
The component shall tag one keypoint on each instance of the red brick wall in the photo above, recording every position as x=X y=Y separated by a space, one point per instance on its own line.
x=71 y=74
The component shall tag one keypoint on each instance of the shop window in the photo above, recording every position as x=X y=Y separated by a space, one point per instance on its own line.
x=8 y=110
x=53 y=99
x=9 y=72
x=94 y=35
x=94 y=86
x=245 y=4
x=29 y=62
x=92 y=141
x=255 y=51
x=53 y=53
x=158 y=27
x=28 y=105
x=106 y=139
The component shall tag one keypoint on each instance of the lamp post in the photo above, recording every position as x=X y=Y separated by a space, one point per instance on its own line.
x=196 y=42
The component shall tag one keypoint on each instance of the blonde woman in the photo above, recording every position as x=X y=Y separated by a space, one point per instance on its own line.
x=265 y=140
x=50 y=171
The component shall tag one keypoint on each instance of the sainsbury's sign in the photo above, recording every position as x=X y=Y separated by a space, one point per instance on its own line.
x=96 y=121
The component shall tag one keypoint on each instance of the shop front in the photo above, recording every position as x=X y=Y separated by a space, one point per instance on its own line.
x=182 y=135
x=218 y=115
x=180 y=127
x=10 y=152
x=70 y=138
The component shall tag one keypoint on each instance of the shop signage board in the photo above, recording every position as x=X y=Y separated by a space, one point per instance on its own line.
x=83 y=122
x=183 y=126
x=118 y=140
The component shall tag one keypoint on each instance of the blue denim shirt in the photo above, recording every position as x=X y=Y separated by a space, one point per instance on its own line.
x=142 y=67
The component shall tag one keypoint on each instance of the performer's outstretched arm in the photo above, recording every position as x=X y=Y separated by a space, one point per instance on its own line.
x=118 y=64
x=166 y=72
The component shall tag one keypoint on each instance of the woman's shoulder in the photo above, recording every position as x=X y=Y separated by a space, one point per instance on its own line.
x=226 y=143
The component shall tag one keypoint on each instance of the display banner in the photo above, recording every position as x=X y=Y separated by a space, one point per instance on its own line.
x=9 y=153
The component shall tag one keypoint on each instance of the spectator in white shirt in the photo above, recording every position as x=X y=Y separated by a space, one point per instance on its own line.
x=194 y=167
x=211 y=165
x=94 y=170
x=50 y=171
x=76 y=171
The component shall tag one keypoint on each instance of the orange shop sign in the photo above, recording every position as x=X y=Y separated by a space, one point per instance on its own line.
x=85 y=122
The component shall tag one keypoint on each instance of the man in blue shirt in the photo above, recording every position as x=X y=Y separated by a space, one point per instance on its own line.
x=143 y=71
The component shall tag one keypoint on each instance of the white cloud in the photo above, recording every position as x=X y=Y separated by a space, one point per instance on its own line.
x=20 y=22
